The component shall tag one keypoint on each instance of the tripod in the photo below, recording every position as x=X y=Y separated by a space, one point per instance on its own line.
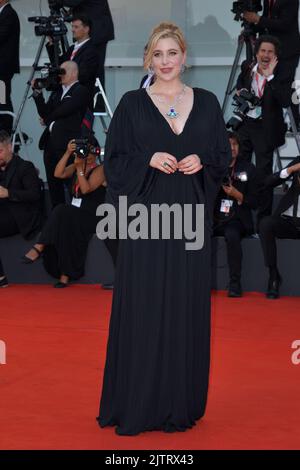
x=57 y=41
x=247 y=37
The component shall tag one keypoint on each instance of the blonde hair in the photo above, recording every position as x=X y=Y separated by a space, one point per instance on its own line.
x=162 y=31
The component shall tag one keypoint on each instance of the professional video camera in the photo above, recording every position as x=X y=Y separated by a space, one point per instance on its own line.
x=84 y=148
x=243 y=102
x=49 y=79
x=49 y=25
x=239 y=7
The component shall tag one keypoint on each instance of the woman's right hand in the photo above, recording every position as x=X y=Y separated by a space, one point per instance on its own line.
x=164 y=162
x=71 y=146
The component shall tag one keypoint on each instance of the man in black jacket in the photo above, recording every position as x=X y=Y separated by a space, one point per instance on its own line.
x=9 y=59
x=263 y=129
x=280 y=19
x=232 y=216
x=98 y=12
x=20 y=196
x=83 y=52
x=62 y=115
x=284 y=223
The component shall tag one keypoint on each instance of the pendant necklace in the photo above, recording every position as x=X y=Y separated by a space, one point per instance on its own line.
x=172 y=113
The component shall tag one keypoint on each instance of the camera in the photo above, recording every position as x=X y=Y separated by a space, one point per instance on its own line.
x=239 y=7
x=84 y=148
x=243 y=102
x=49 y=25
x=49 y=79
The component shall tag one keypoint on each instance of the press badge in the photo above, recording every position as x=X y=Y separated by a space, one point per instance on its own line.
x=76 y=201
x=226 y=204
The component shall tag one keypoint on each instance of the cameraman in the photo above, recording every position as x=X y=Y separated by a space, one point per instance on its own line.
x=284 y=223
x=83 y=52
x=9 y=59
x=62 y=115
x=280 y=19
x=98 y=12
x=263 y=129
x=232 y=215
x=65 y=237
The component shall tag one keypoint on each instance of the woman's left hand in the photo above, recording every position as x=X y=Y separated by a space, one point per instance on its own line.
x=190 y=164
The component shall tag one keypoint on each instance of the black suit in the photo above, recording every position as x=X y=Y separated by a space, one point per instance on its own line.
x=21 y=212
x=267 y=133
x=9 y=58
x=87 y=60
x=279 y=225
x=67 y=115
x=98 y=12
x=283 y=24
x=238 y=222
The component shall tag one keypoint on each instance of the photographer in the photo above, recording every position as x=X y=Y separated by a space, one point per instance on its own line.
x=98 y=12
x=233 y=217
x=66 y=234
x=83 y=52
x=280 y=19
x=20 y=196
x=9 y=59
x=62 y=115
x=263 y=128
x=284 y=223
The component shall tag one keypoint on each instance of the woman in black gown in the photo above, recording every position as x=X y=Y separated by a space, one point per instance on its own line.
x=166 y=144
x=65 y=237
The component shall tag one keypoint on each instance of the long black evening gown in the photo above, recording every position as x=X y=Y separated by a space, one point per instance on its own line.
x=157 y=364
x=67 y=233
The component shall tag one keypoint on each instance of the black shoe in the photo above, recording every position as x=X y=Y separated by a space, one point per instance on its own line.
x=4 y=282
x=273 y=288
x=234 y=289
x=60 y=285
x=107 y=286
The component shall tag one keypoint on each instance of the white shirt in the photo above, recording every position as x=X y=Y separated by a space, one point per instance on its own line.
x=66 y=88
x=257 y=85
x=3 y=6
x=77 y=46
x=283 y=175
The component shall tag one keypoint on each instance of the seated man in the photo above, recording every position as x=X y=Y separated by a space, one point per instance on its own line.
x=233 y=217
x=284 y=223
x=20 y=196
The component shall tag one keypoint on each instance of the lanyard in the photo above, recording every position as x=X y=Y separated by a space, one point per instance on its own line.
x=260 y=90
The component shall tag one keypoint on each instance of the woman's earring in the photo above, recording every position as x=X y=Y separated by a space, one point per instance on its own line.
x=150 y=70
x=183 y=67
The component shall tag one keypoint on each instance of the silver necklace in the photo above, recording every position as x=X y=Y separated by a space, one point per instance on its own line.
x=172 y=113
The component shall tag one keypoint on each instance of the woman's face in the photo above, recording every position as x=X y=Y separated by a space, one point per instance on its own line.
x=167 y=59
x=91 y=159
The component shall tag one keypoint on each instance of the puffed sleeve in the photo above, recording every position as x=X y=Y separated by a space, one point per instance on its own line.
x=216 y=159
x=127 y=158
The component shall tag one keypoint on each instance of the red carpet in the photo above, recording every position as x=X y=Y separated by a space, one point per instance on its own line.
x=56 y=341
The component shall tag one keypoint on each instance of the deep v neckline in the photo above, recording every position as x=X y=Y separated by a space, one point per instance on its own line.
x=166 y=121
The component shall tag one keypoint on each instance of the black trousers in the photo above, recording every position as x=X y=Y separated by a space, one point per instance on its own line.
x=252 y=139
x=8 y=226
x=6 y=121
x=56 y=185
x=276 y=227
x=290 y=65
x=233 y=231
